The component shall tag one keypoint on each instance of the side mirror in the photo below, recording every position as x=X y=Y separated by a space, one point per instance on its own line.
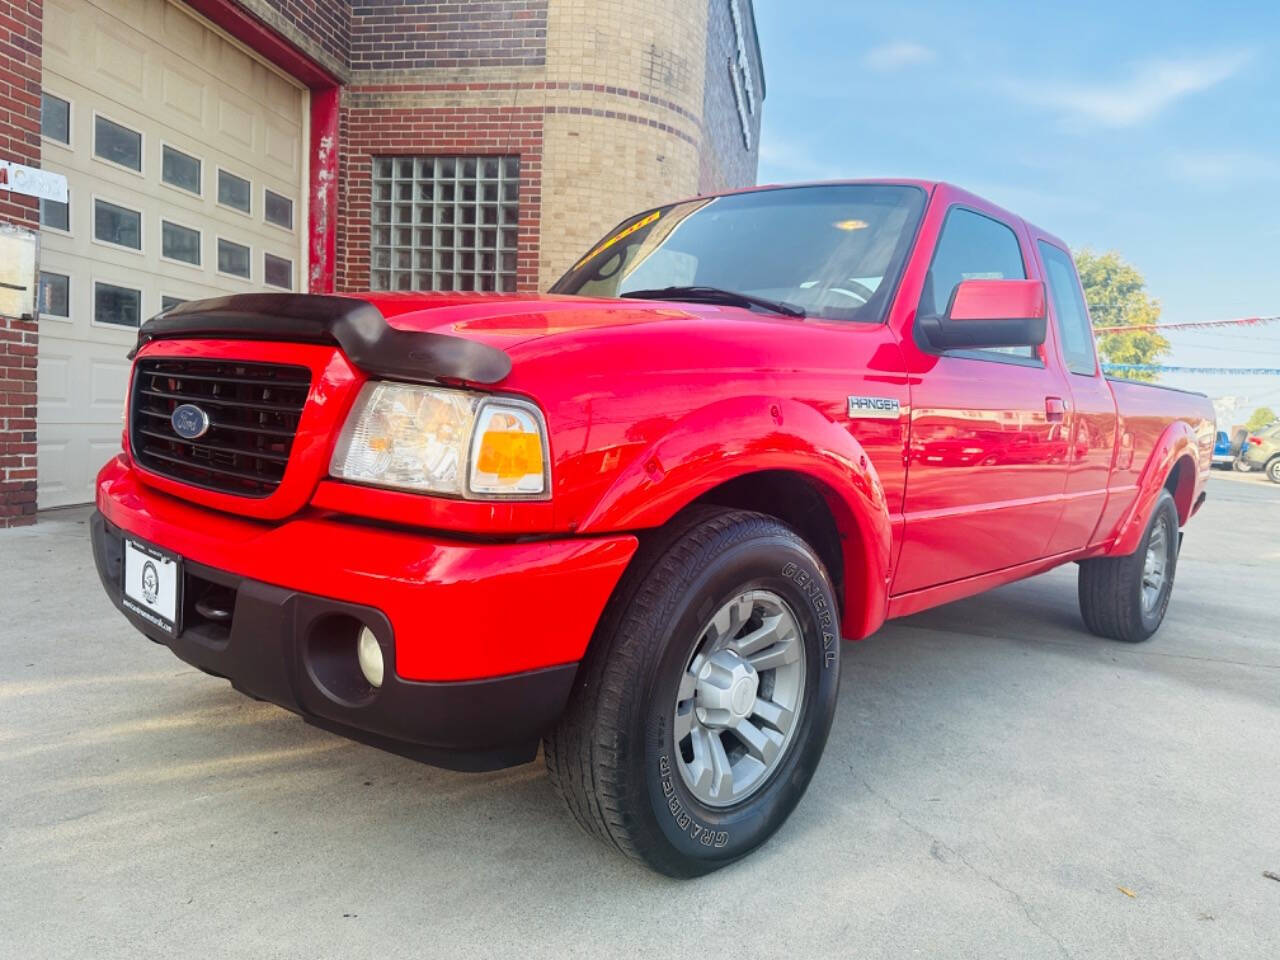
x=988 y=313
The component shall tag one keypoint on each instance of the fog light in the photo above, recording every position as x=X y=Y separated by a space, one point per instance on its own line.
x=369 y=653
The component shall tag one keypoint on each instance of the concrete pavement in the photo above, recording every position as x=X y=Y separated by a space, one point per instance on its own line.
x=998 y=783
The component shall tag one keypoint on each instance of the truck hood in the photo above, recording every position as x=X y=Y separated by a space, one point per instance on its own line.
x=536 y=327
x=506 y=322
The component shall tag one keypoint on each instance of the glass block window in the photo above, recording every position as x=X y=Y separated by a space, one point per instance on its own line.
x=445 y=223
x=233 y=258
x=120 y=306
x=233 y=191
x=179 y=243
x=117 y=143
x=55 y=294
x=277 y=271
x=116 y=224
x=278 y=209
x=55 y=118
x=180 y=170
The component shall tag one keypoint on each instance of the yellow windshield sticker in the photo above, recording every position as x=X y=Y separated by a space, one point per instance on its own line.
x=620 y=235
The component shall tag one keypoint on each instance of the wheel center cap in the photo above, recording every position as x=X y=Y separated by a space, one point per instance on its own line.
x=743 y=696
x=726 y=692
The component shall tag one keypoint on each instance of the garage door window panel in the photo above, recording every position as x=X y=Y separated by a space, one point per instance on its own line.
x=277 y=271
x=181 y=170
x=56 y=215
x=55 y=119
x=277 y=209
x=179 y=243
x=116 y=225
x=116 y=306
x=234 y=259
x=54 y=300
x=117 y=144
x=234 y=192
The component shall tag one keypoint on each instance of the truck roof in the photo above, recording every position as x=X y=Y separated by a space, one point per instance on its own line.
x=929 y=186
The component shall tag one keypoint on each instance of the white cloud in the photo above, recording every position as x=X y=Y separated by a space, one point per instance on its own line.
x=896 y=56
x=1152 y=86
x=1221 y=168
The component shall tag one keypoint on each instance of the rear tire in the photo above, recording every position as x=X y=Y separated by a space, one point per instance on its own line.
x=1125 y=598
x=623 y=756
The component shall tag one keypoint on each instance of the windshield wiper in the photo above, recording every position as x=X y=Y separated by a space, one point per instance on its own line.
x=715 y=295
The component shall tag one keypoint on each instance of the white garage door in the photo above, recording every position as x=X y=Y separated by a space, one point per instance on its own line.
x=185 y=161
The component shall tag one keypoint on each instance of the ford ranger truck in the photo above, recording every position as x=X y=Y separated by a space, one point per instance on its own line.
x=632 y=520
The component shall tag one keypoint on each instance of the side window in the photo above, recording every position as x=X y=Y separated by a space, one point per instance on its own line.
x=1068 y=304
x=972 y=247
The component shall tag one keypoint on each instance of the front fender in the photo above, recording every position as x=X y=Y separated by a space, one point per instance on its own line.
x=732 y=438
x=1178 y=440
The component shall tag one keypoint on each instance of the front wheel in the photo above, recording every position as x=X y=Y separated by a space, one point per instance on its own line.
x=704 y=703
x=1273 y=470
x=1125 y=598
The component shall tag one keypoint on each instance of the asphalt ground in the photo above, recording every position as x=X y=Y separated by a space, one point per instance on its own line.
x=998 y=783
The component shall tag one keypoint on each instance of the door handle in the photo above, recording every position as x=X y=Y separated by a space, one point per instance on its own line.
x=1055 y=409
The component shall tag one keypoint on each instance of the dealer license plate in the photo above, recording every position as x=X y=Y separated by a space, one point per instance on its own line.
x=153 y=584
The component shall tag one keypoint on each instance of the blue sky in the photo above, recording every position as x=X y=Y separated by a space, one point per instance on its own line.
x=1149 y=129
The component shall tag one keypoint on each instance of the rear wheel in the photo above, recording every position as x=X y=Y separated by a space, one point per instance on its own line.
x=1125 y=598
x=704 y=703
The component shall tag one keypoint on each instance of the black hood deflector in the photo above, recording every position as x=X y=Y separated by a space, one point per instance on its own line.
x=356 y=326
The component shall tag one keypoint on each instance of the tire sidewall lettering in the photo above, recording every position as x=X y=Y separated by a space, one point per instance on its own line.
x=725 y=834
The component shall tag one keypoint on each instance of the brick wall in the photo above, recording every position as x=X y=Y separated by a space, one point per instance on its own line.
x=440 y=78
x=447 y=34
x=406 y=121
x=726 y=159
x=20 y=25
x=319 y=28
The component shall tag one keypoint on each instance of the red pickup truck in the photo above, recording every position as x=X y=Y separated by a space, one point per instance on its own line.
x=633 y=519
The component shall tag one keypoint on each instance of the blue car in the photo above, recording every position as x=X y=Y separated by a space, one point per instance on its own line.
x=1223 y=454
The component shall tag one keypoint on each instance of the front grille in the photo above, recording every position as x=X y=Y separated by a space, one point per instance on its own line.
x=253 y=411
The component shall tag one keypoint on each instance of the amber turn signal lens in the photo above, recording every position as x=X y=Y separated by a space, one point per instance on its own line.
x=509 y=456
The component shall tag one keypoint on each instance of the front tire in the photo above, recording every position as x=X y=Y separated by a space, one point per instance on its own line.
x=1273 y=470
x=703 y=705
x=1125 y=598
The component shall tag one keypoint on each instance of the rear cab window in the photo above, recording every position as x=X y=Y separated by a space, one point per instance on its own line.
x=1074 y=329
x=973 y=246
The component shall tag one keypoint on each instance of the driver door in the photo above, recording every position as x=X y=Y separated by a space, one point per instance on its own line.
x=988 y=439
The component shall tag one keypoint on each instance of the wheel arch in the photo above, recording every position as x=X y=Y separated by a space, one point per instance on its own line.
x=779 y=457
x=1172 y=466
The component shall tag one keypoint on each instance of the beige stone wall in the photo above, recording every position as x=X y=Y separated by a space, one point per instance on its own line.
x=631 y=145
x=597 y=171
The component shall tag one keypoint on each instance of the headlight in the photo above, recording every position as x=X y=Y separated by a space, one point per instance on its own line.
x=450 y=442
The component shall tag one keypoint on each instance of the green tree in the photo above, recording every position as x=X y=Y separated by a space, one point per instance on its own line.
x=1117 y=296
x=1261 y=417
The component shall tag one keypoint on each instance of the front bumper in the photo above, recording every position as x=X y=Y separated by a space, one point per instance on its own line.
x=482 y=640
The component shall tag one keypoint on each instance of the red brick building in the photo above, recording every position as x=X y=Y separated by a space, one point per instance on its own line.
x=214 y=146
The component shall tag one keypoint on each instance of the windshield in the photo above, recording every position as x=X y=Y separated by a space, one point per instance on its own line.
x=834 y=251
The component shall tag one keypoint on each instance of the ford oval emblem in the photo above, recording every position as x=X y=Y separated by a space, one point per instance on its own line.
x=189 y=421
